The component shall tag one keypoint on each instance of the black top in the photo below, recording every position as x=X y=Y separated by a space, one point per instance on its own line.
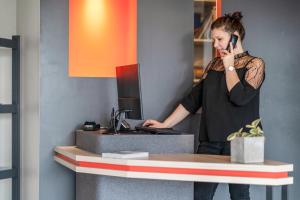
x=224 y=112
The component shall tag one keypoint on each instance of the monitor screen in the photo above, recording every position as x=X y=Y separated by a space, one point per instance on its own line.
x=129 y=91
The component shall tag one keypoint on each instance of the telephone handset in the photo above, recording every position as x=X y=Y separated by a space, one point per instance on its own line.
x=233 y=39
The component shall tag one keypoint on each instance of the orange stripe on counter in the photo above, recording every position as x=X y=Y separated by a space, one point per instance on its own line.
x=174 y=170
x=67 y=159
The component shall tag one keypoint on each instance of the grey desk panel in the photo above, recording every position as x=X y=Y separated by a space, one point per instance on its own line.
x=93 y=187
x=97 y=143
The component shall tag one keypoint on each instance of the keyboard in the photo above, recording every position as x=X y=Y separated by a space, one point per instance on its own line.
x=158 y=131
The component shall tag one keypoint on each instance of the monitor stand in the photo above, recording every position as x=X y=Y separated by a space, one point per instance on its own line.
x=122 y=123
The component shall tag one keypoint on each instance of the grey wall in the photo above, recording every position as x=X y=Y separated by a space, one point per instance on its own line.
x=164 y=51
x=272 y=32
x=64 y=102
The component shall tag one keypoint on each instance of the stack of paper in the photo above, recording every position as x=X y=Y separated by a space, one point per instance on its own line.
x=126 y=154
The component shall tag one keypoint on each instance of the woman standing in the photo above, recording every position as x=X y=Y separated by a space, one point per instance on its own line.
x=228 y=95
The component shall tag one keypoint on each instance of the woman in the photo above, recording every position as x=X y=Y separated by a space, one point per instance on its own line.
x=229 y=96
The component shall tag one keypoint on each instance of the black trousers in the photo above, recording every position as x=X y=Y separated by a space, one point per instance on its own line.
x=206 y=191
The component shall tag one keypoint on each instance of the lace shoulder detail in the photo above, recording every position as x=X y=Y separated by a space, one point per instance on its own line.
x=255 y=72
x=212 y=63
x=240 y=61
x=217 y=64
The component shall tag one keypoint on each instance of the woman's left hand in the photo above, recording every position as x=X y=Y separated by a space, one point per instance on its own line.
x=228 y=57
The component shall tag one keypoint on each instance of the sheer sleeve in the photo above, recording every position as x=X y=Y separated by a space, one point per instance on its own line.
x=255 y=73
x=247 y=88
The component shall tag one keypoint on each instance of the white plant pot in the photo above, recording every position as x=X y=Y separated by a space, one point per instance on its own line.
x=247 y=149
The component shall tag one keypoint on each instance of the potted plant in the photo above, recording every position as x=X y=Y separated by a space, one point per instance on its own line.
x=247 y=147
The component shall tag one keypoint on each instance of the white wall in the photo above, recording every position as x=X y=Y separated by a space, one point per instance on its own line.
x=7 y=29
x=21 y=17
x=28 y=26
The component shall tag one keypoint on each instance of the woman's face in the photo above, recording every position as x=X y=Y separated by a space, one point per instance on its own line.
x=220 y=39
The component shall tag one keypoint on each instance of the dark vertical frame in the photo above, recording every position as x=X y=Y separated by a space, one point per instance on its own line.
x=14 y=109
x=284 y=192
x=269 y=192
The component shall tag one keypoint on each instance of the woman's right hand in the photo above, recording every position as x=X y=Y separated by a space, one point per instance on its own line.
x=154 y=124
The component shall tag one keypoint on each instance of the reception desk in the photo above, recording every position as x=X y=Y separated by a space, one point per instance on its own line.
x=161 y=176
x=177 y=168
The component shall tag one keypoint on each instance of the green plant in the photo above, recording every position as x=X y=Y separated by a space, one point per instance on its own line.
x=255 y=131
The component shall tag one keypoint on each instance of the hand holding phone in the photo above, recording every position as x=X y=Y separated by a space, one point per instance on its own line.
x=233 y=39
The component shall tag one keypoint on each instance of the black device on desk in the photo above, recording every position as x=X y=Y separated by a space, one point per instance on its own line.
x=90 y=126
x=167 y=131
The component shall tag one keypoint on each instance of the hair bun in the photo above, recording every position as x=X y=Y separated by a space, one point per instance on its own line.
x=236 y=16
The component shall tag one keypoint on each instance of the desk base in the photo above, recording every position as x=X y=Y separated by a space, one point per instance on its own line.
x=115 y=188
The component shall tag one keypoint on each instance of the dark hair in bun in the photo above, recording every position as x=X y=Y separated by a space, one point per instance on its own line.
x=236 y=15
x=231 y=23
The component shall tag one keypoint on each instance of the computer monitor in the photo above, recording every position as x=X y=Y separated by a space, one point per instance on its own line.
x=129 y=91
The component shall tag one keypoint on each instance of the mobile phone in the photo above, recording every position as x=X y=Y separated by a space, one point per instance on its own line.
x=233 y=39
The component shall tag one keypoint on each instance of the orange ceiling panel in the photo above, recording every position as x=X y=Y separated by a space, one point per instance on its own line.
x=102 y=35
